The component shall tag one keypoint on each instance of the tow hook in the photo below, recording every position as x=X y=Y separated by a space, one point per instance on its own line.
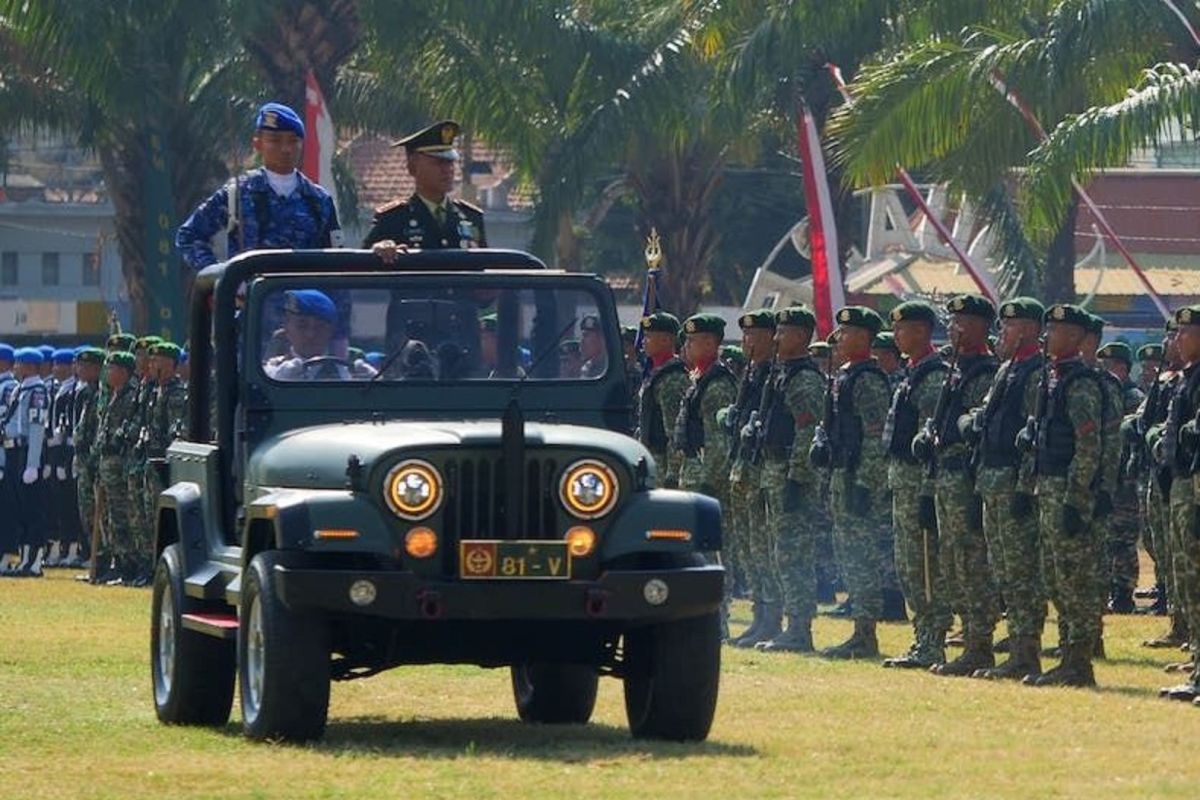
x=430 y=605
x=597 y=603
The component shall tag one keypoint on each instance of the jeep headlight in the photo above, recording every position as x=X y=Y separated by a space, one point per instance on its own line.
x=588 y=489
x=413 y=489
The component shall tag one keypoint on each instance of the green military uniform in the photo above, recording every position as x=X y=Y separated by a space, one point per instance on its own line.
x=959 y=507
x=790 y=411
x=746 y=499
x=417 y=223
x=136 y=464
x=165 y=424
x=1140 y=466
x=114 y=438
x=658 y=403
x=914 y=404
x=855 y=413
x=1006 y=481
x=86 y=461
x=1069 y=451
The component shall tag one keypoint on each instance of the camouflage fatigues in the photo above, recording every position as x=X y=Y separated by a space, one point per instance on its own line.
x=1120 y=560
x=746 y=499
x=658 y=403
x=87 y=455
x=165 y=424
x=113 y=442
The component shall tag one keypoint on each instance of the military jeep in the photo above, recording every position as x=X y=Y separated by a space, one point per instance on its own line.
x=470 y=498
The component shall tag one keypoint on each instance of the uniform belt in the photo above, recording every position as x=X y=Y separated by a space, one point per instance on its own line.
x=12 y=444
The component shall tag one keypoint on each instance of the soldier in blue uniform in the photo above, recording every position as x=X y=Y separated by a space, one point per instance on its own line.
x=23 y=425
x=62 y=362
x=430 y=219
x=276 y=205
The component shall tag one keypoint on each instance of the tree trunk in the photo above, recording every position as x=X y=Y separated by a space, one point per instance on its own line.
x=1058 y=279
x=566 y=243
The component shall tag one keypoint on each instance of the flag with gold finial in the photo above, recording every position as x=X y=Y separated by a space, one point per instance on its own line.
x=650 y=298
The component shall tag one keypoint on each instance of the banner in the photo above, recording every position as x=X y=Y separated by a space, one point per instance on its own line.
x=829 y=294
x=321 y=141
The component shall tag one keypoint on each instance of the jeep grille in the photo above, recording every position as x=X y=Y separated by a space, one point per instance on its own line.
x=476 y=505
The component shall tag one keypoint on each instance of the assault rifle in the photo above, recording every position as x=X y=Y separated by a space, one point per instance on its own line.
x=1027 y=437
x=820 y=454
x=925 y=443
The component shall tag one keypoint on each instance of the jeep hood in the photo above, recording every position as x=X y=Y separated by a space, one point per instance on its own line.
x=316 y=457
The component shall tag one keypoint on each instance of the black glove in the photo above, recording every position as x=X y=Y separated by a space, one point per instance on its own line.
x=922 y=447
x=820 y=456
x=1022 y=505
x=975 y=513
x=1072 y=521
x=927 y=513
x=859 y=498
x=1104 y=505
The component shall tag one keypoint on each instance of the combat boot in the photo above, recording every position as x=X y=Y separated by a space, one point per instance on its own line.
x=893 y=606
x=1184 y=692
x=1175 y=636
x=861 y=644
x=751 y=631
x=976 y=655
x=796 y=639
x=923 y=654
x=1024 y=660
x=1075 y=669
x=772 y=626
x=1120 y=601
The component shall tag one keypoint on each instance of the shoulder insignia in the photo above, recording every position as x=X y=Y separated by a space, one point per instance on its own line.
x=464 y=204
x=392 y=206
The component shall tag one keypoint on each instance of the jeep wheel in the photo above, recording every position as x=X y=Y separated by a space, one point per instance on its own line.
x=191 y=672
x=555 y=694
x=283 y=661
x=672 y=672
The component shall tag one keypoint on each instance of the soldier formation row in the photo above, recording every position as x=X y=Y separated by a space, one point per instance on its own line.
x=82 y=430
x=990 y=477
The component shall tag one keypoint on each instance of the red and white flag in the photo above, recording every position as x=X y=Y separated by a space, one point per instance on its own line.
x=321 y=140
x=829 y=294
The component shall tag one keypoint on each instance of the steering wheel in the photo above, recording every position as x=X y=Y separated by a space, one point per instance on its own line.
x=317 y=361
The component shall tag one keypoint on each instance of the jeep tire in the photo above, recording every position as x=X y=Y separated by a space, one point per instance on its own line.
x=283 y=659
x=555 y=694
x=672 y=673
x=191 y=672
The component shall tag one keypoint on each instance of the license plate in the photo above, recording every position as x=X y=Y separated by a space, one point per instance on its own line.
x=487 y=559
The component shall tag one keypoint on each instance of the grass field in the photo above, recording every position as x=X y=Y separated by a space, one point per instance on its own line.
x=76 y=720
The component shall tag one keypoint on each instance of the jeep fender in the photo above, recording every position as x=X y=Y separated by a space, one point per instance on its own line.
x=667 y=510
x=179 y=517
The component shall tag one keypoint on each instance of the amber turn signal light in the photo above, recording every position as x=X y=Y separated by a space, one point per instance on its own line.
x=420 y=542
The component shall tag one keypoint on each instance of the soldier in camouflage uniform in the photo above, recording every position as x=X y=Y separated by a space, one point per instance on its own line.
x=89 y=361
x=1138 y=466
x=959 y=506
x=887 y=355
x=827 y=570
x=165 y=424
x=136 y=464
x=697 y=435
x=792 y=406
x=913 y=405
x=1179 y=443
x=661 y=394
x=114 y=438
x=746 y=499
x=1006 y=482
x=1068 y=452
x=849 y=444
x=1121 y=556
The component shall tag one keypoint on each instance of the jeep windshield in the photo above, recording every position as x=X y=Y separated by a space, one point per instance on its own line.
x=434 y=328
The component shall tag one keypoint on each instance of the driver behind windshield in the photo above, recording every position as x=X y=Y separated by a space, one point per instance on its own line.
x=309 y=321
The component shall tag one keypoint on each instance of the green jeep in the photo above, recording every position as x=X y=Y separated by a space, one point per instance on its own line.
x=472 y=499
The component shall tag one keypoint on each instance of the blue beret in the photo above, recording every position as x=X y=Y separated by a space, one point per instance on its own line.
x=183 y=355
x=30 y=355
x=375 y=358
x=64 y=356
x=6 y=352
x=310 y=303
x=278 y=117
x=47 y=351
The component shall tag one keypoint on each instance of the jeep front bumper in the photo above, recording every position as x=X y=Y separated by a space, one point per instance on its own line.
x=616 y=596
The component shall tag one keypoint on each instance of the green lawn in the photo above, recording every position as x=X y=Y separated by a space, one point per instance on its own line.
x=76 y=720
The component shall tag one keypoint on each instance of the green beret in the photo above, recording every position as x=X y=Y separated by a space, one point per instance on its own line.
x=121 y=358
x=820 y=349
x=489 y=322
x=860 y=317
x=705 y=323
x=356 y=354
x=1095 y=324
x=146 y=342
x=1151 y=352
x=661 y=322
x=1022 y=308
x=121 y=341
x=913 y=309
x=629 y=333
x=762 y=319
x=732 y=352
x=1117 y=350
x=1188 y=315
x=569 y=347
x=885 y=340
x=972 y=305
x=1068 y=314
x=90 y=355
x=168 y=349
x=800 y=316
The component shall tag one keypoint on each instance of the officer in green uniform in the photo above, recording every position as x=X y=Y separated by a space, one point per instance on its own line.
x=849 y=443
x=114 y=438
x=914 y=404
x=1006 y=483
x=790 y=411
x=959 y=506
x=1121 y=558
x=747 y=501
x=661 y=394
x=430 y=219
x=1179 y=441
x=697 y=434
x=165 y=420
x=887 y=355
x=136 y=463
x=1067 y=464
x=827 y=570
